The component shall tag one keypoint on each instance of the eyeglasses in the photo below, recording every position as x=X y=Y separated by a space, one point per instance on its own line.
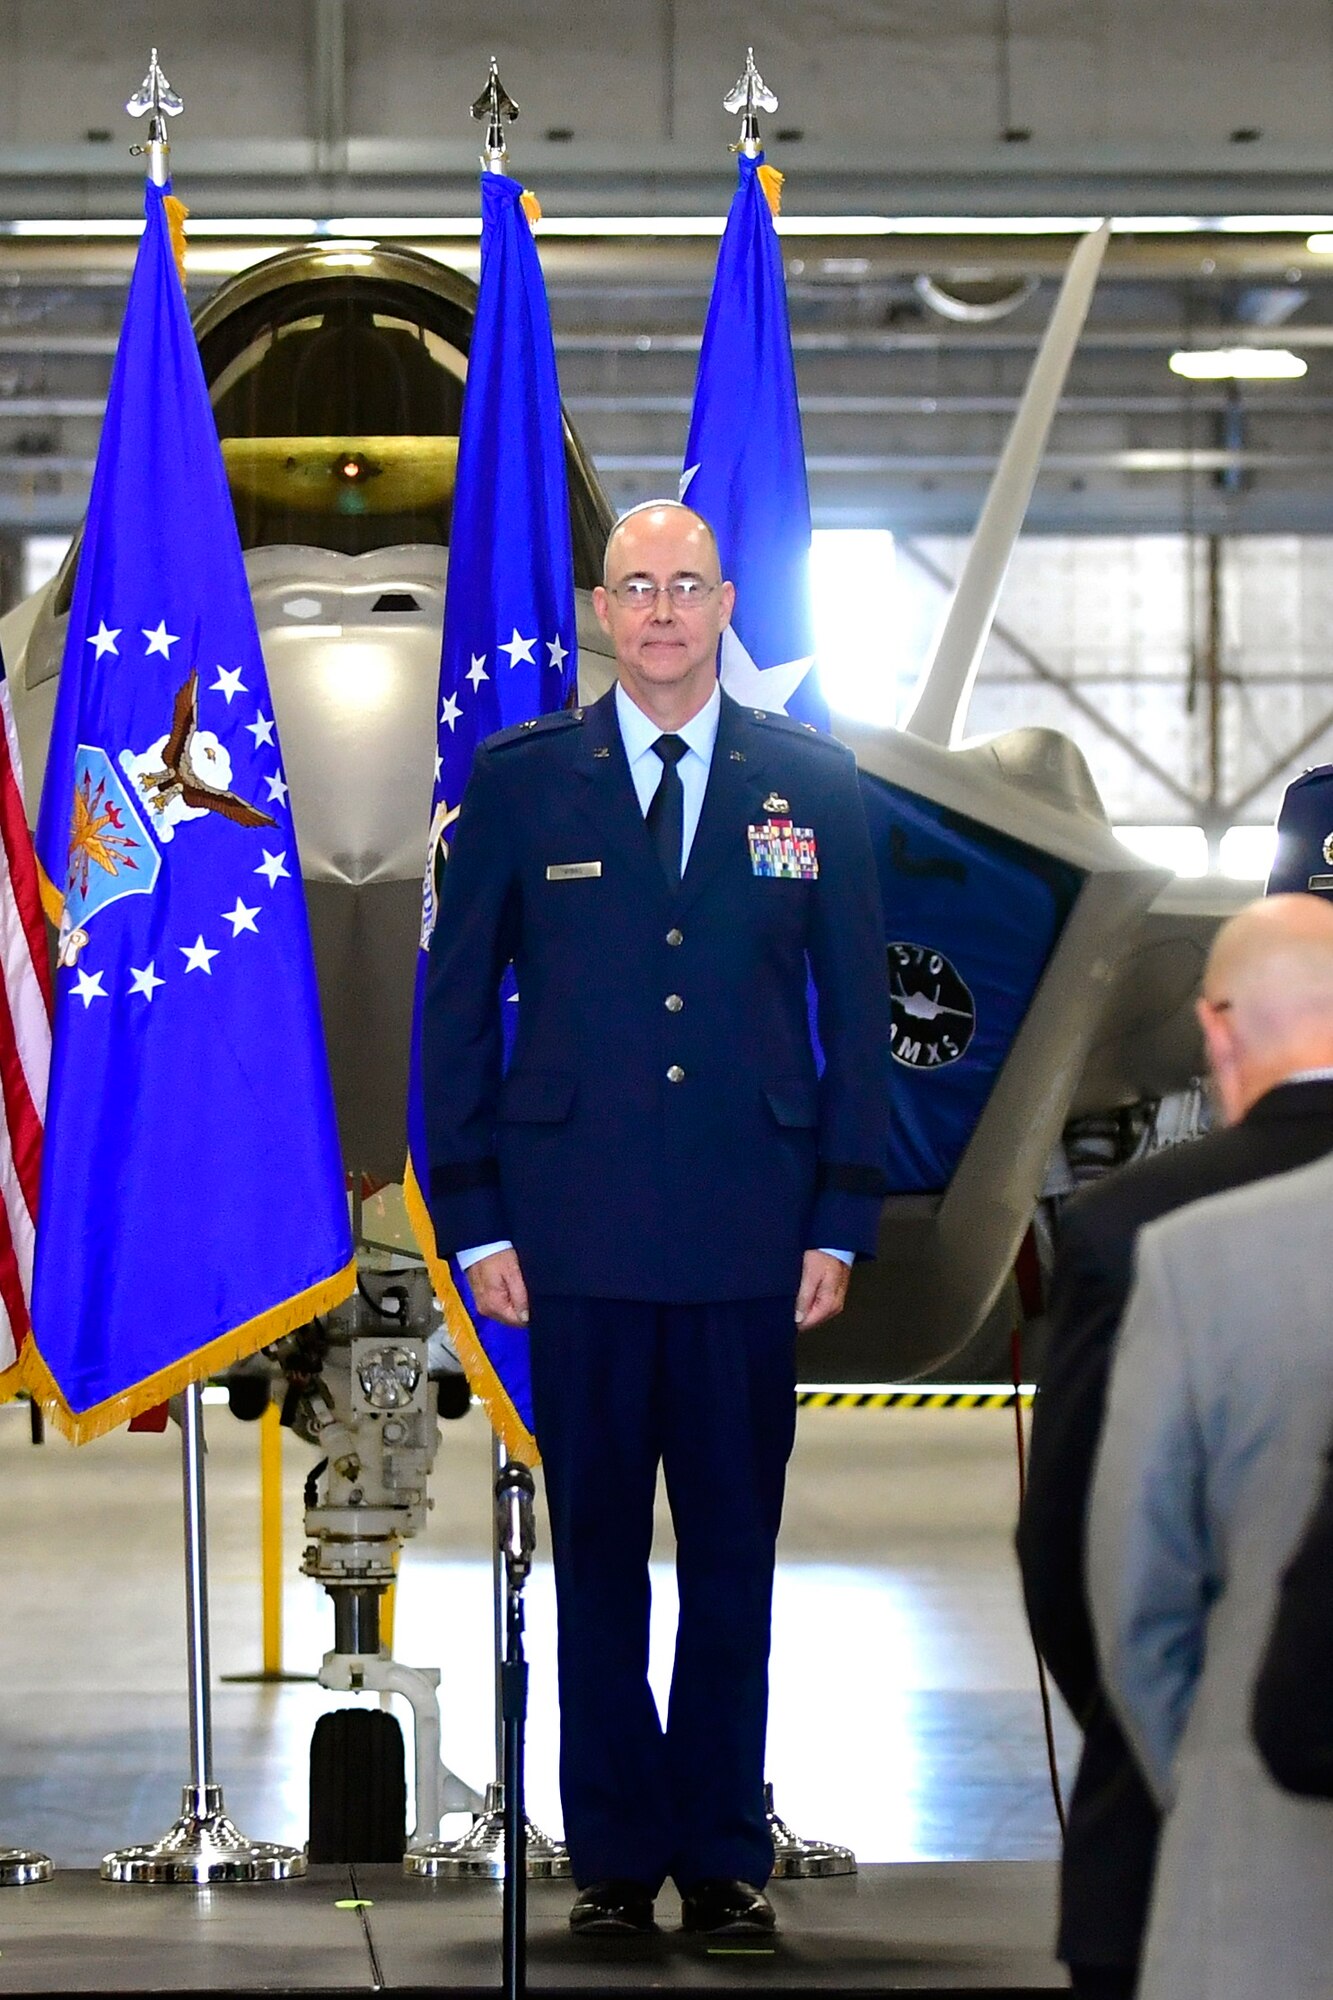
x=640 y=593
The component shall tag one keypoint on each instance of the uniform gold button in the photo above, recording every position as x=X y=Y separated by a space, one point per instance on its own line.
x=674 y=1003
x=675 y=1074
x=675 y=937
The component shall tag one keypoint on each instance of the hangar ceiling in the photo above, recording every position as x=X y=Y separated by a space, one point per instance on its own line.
x=921 y=146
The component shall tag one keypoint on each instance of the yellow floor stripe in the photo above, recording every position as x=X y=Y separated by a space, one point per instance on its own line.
x=913 y=1399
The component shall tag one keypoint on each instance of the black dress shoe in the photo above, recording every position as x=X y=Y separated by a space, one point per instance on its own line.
x=718 y=1907
x=613 y=1909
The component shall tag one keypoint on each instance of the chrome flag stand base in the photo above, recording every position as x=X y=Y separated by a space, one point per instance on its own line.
x=20 y=1866
x=203 y=1846
x=797 y=1860
x=481 y=1850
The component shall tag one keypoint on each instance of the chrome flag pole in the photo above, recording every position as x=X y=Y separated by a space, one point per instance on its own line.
x=202 y=1846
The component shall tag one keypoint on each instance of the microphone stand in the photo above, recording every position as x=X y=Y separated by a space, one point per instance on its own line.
x=516 y=1538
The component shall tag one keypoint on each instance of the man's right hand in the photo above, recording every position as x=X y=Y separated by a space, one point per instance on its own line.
x=498 y=1288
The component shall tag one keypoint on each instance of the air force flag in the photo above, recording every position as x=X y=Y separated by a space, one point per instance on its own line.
x=508 y=655
x=745 y=461
x=192 y=1198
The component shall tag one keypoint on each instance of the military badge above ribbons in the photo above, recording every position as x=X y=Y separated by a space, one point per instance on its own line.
x=508 y=655
x=193 y=1203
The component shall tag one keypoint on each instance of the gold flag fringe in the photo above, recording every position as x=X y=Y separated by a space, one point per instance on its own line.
x=532 y=208
x=483 y=1381
x=770 y=180
x=52 y=901
x=176 y=214
x=81 y=1426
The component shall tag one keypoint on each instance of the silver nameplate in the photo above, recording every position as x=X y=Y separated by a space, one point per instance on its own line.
x=573 y=871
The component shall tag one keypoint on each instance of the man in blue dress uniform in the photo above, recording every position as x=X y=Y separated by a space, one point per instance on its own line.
x=663 y=1185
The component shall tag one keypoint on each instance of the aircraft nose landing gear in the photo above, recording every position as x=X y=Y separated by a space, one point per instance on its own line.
x=371 y=1409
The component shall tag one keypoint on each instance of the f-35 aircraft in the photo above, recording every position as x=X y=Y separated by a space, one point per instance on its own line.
x=1032 y=971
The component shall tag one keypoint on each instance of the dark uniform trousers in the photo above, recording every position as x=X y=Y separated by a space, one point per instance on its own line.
x=619 y=1384
x=661 y=1150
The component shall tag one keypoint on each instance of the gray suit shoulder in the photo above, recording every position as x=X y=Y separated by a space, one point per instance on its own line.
x=537 y=729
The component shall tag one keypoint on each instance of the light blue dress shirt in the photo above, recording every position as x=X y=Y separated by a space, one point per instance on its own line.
x=638 y=733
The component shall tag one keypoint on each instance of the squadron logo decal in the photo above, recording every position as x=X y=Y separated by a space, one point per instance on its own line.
x=934 y=1016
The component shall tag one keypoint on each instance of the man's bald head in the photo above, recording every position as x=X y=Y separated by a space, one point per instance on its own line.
x=640 y=524
x=1267 y=1005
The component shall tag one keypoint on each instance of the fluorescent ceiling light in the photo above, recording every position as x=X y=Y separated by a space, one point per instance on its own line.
x=1271 y=225
x=247 y=225
x=403 y=228
x=1237 y=364
x=1321 y=243
x=417 y=228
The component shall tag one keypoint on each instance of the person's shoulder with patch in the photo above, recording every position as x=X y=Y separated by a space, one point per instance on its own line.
x=537 y=729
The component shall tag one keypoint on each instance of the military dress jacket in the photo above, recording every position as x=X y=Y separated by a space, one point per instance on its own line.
x=661 y=1130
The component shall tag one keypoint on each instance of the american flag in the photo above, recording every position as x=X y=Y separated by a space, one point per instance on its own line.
x=25 y=1048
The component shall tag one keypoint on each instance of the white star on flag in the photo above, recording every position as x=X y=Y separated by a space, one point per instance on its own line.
x=439 y=766
x=105 y=642
x=476 y=673
x=450 y=712
x=229 y=683
x=144 y=979
x=559 y=653
x=159 y=639
x=519 y=648
x=197 y=956
x=272 y=866
x=760 y=687
x=277 y=788
x=242 y=919
x=261 y=728
x=685 y=479
x=88 y=987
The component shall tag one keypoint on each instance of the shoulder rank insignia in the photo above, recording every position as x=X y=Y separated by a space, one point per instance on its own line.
x=535 y=727
x=777 y=718
x=783 y=851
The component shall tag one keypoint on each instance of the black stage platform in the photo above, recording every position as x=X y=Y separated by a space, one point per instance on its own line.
x=921 y=1927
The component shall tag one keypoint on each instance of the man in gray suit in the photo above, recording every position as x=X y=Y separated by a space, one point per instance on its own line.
x=1220 y=1407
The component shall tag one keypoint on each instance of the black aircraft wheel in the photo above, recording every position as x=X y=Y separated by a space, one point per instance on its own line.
x=358 y=1791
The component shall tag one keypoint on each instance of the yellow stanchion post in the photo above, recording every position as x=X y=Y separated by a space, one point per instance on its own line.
x=388 y=1606
x=270 y=1535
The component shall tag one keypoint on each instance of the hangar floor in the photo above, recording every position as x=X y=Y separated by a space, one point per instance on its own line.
x=905 y=1718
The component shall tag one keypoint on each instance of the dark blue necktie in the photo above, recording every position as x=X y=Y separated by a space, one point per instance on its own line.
x=665 y=817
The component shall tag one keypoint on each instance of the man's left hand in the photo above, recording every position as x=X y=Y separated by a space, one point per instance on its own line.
x=823 y=1292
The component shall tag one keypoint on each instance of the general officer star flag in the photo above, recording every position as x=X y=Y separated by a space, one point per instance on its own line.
x=508 y=654
x=192 y=1199
x=745 y=461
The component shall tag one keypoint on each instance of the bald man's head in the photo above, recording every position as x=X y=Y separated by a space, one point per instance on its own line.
x=1267 y=1005
x=641 y=522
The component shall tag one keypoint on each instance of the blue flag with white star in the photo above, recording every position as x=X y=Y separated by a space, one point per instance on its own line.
x=508 y=654
x=745 y=461
x=192 y=1203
